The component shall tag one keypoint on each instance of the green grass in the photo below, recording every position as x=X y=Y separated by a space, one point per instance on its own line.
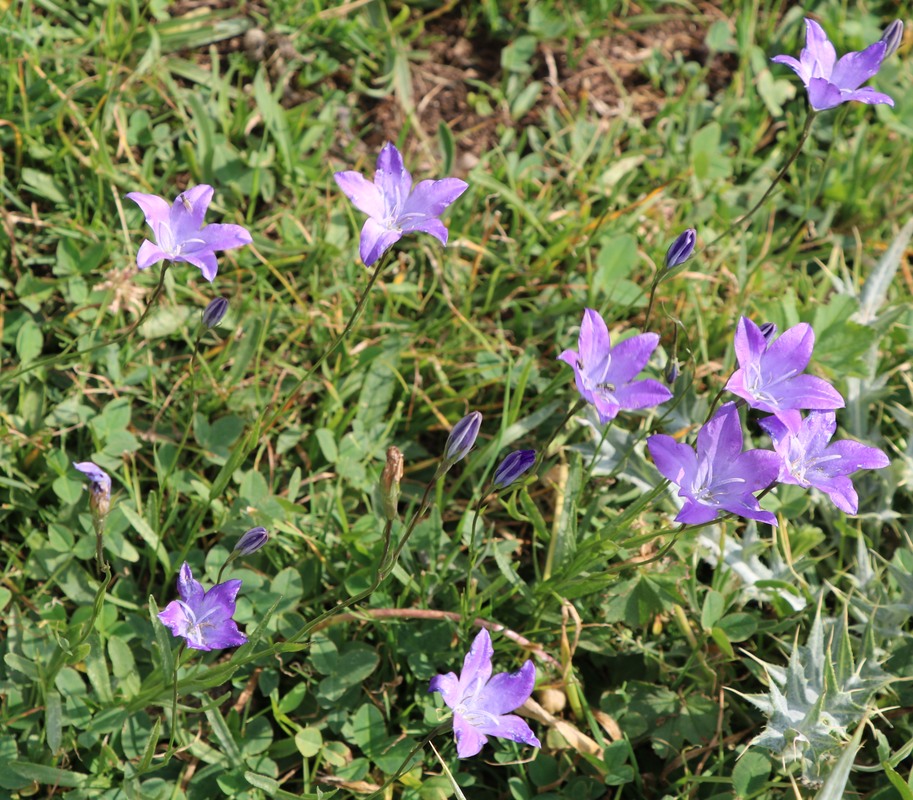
x=572 y=205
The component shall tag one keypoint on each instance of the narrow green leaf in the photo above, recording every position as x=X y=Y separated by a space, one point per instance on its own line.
x=53 y=720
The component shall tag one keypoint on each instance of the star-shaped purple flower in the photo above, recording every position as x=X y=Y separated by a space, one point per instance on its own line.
x=769 y=375
x=180 y=234
x=605 y=375
x=481 y=702
x=806 y=458
x=204 y=619
x=718 y=476
x=831 y=82
x=393 y=206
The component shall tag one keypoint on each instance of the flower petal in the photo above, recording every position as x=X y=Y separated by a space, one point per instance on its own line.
x=594 y=344
x=190 y=590
x=476 y=665
x=854 y=455
x=630 y=357
x=720 y=440
x=854 y=69
x=429 y=199
x=510 y=726
x=822 y=94
x=507 y=690
x=871 y=97
x=433 y=226
x=155 y=209
x=642 y=394
x=448 y=684
x=174 y=616
x=792 y=350
x=675 y=460
x=842 y=493
x=222 y=635
x=375 y=241
x=747 y=506
x=819 y=54
x=186 y=216
x=805 y=391
x=365 y=195
x=469 y=740
x=694 y=513
x=205 y=261
x=750 y=343
x=393 y=179
x=792 y=63
x=223 y=237
x=149 y=254
x=218 y=604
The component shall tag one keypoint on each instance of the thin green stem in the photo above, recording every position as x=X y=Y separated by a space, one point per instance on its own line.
x=404 y=767
x=806 y=129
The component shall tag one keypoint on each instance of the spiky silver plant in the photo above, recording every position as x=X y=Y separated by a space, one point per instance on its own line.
x=815 y=702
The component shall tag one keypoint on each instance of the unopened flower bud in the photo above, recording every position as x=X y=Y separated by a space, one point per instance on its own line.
x=251 y=541
x=213 y=313
x=892 y=37
x=389 y=482
x=512 y=467
x=462 y=438
x=681 y=249
x=768 y=331
x=672 y=371
x=99 y=489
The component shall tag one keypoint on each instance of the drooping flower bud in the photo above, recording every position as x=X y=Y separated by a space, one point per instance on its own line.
x=99 y=489
x=681 y=249
x=512 y=467
x=389 y=482
x=672 y=371
x=892 y=37
x=214 y=312
x=251 y=541
x=462 y=438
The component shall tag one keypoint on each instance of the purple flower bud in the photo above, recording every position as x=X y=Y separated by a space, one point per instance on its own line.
x=213 y=313
x=681 y=249
x=672 y=372
x=512 y=467
x=251 y=541
x=462 y=438
x=892 y=37
x=768 y=331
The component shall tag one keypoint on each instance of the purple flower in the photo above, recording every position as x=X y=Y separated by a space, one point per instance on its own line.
x=512 y=467
x=99 y=486
x=605 y=375
x=769 y=373
x=806 y=458
x=393 y=206
x=462 y=438
x=251 y=541
x=180 y=234
x=831 y=82
x=718 y=476
x=681 y=249
x=481 y=702
x=204 y=618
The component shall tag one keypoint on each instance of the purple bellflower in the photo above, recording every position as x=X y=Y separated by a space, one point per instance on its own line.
x=481 y=702
x=605 y=375
x=512 y=467
x=806 y=458
x=718 y=476
x=394 y=206
x=214 y=312
x=831 y=82
x=769 y=375
x=204 y=619
x=99 y=487
x=180 y=234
